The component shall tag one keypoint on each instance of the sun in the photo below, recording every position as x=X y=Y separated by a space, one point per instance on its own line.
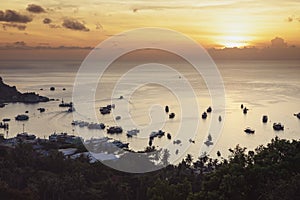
x=234 y=41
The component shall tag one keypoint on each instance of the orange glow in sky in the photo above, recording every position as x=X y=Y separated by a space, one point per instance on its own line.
x=212 y=23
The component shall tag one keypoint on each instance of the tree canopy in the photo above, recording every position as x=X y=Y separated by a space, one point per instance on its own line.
x=270 y=172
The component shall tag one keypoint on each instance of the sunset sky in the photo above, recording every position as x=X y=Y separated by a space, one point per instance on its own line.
x=213 y=23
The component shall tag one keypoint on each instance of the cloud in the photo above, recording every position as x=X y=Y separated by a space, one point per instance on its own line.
x=14 y=45
x=35 y=8
x=14 y=16
x=293 y=19
x=278 y=43
x=47 y=21
x=183 y=6
x=20 y=43
x=12 y=25
x=74 y=25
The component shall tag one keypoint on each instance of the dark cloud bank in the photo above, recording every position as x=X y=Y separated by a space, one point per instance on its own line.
x=35 y=8
x=14 y=16
x=20 y=27
x=74 y=25
x=277 y=50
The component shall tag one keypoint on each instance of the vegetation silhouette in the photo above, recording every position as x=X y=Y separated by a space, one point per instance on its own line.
x=269 y=172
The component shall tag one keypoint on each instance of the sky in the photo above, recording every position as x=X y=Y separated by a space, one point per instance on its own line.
x=85 y=23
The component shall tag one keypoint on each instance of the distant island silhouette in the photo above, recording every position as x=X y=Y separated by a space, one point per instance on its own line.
x=10 y=94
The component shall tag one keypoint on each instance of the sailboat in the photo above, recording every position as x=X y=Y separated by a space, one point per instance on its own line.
x=208 y=142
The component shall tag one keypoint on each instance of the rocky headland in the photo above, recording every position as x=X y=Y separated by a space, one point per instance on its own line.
x=10 y=94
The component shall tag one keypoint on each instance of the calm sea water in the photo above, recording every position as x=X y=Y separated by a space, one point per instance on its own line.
x=265 y=87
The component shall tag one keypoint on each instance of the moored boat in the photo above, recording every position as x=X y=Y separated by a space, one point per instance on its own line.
x=22 y=117
x=171 y=115
x=249 y=131
x=208 y=109
x=265 y=119
x=278 y=127
x=204 y=115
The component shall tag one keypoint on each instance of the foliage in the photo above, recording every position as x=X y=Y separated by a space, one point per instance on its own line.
x=270 y=172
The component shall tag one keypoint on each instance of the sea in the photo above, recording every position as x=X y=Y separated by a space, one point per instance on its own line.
x=265 y=87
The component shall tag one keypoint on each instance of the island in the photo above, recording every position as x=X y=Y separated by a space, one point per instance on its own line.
x=10 y=94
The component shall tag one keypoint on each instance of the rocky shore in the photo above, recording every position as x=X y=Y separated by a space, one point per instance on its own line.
x=10 y=94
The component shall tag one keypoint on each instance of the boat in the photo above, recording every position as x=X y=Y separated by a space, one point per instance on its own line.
x=265 y=119
x=71 y=109
x=41 y=109
x=6 y=120
x=106 y=109
x=100 y=126
x=245 y=110
x=167 y=109
x=208 y=142
x=169 y=136
x=25 y=136
x=191 y=141
x=297 y=115
x=22 y=117
x=150 y=142
x=278 y=127
x=115 y=130
x=171 y=115
x=4 y=125
x=159 y=134
x=209 y=138
x=208 y=109
x=220 y=118
x=177 y=142
x=83 y=124
x=2 y=105
x=242 y=106
x=204 y=115
x=132 y=132
x=249 y=131
x=63 y=104
x=118 y=117
x=74 y=122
